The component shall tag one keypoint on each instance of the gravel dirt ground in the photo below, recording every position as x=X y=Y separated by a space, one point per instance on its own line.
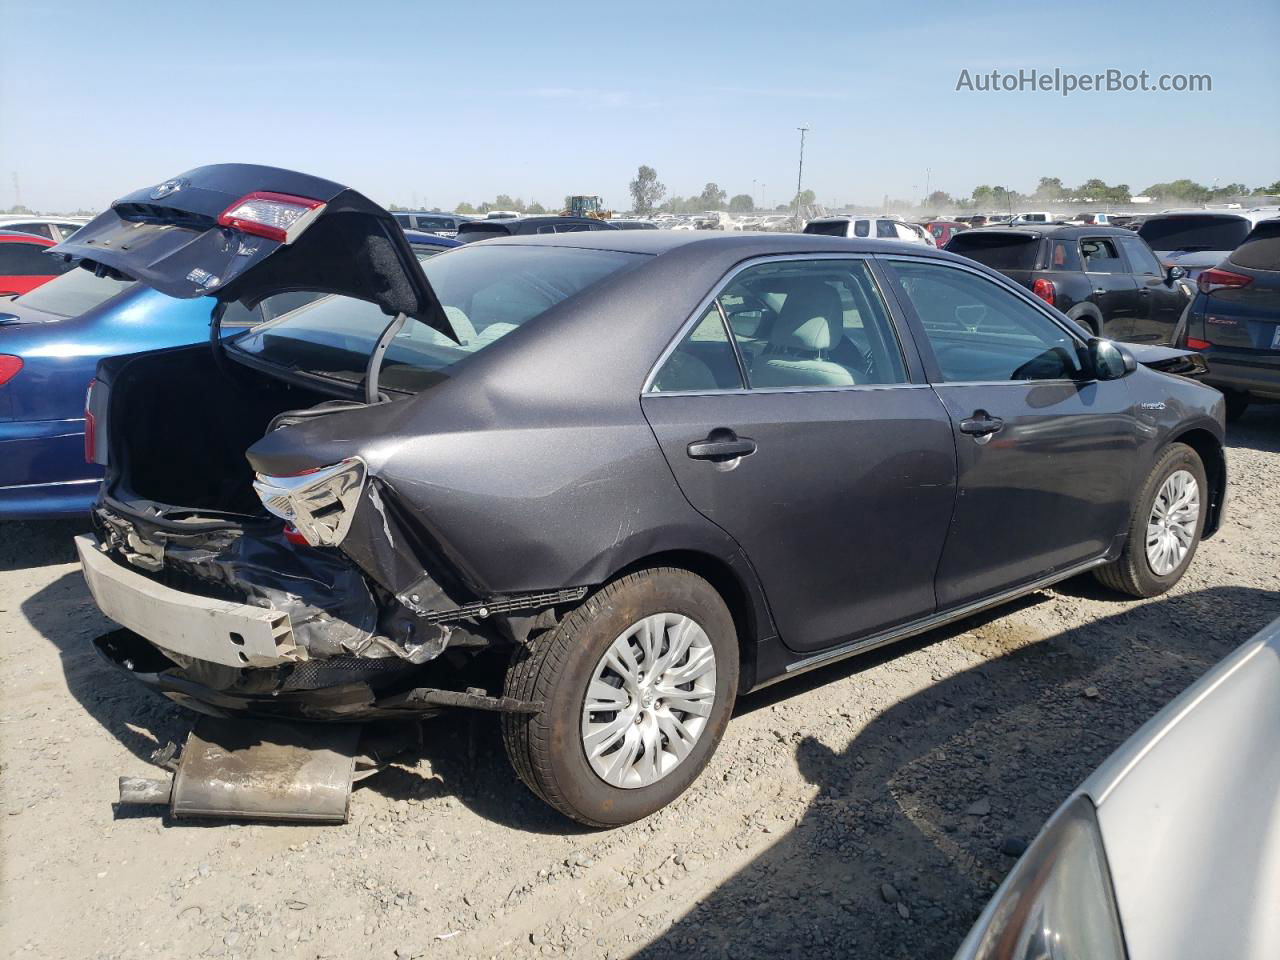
x=867 y=810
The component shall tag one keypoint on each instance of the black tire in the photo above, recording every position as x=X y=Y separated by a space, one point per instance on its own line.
x=1088 y=321
x=555 y=668
x=1131 y=573
x=1237 y=404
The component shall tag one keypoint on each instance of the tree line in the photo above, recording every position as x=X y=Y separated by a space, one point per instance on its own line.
x=649 y=196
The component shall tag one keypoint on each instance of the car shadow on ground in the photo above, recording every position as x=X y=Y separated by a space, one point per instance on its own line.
x=38 y=543
x=1258 y=429
x=940 y=792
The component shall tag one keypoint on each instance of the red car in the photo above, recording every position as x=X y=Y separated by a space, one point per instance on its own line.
x=943 y=230
x=24 y=264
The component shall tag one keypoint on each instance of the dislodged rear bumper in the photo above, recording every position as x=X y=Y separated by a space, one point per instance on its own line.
x=217 y=631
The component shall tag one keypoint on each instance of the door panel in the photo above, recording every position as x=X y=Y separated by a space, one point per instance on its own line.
x=1114 y=291
x=1160 y=303
x=1044 y=457
x=842 y=508
x=1050 y=489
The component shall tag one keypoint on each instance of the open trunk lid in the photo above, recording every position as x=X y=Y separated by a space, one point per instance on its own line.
x=243 y=232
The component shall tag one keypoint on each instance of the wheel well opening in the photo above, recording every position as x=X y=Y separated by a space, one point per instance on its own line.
x=729 y=585
x=1206 y=445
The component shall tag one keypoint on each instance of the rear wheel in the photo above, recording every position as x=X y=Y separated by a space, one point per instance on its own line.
x=1165 y=529
x=637 y=686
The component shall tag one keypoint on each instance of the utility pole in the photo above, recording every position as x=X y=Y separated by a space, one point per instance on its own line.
x=800 y=172
x=927 y=173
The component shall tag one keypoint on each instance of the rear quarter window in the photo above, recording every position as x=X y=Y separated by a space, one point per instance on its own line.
x=997 y=251
x=832 y=228
x=1261 y=250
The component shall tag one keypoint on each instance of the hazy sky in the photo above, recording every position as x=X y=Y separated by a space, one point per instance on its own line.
x=437 y=103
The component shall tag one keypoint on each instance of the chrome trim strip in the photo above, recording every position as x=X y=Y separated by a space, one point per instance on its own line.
x=739 y=391
x=936 y=620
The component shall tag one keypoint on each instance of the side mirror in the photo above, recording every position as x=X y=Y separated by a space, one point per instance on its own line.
x=1109 y=360
x=1174 y=274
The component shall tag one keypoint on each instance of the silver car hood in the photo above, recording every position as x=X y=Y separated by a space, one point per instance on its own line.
x=1189 y=809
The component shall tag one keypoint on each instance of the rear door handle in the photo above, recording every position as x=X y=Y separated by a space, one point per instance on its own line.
x=722 y=445
x=981 y=424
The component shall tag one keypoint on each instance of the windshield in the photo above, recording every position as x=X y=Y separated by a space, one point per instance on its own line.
x=486 y=291
x=73 y=293
x=1194 y=233
x=999 y=251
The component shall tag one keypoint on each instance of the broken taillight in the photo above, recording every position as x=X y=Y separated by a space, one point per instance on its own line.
x=95 y=447
x=319 y=503
x=277 y=216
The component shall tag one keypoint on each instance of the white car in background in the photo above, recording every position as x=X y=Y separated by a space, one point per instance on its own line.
x=56 y=229
x=1171 y=849
x=876 y=228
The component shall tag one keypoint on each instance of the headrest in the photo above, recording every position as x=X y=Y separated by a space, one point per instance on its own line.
x=812 y=318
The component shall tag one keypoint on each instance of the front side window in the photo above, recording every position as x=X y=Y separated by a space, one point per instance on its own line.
x=886 y=230
x=796 y=323
x=981 y=332
x=1140 y=256
x=486 y=291
x=1100 y=256
x=862 y=228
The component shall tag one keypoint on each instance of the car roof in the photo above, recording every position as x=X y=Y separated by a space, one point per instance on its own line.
x=422 y=238
x=745 y=244
x=1062 y=230
x=12 y=236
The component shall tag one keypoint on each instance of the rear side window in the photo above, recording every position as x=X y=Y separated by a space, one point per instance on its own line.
x=481 y=231
x=999 y=251
x=862 y=228
x=1062 y=256
x=1100 y=256
x=831 y=228
x=817 y=323
x=1194 y=232
x=1261 y=250
x=403 y=219
x=886 y=230
x=28 y=260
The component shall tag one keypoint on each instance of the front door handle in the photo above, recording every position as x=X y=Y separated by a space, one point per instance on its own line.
x=981 y=424
x=721 y=445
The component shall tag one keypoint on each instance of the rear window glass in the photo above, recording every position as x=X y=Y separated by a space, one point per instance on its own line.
x=74 y=292
x=1261 y=251
x=486 y=291
x=29 y=260
x=1194 y=233
x=831 y=228
x=481 y=231
x=998 y=251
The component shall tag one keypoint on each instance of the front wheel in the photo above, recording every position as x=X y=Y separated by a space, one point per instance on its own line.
x=1165 y=528
x=637 y=686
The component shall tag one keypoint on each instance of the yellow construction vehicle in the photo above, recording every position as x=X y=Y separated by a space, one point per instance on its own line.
x=584 y=206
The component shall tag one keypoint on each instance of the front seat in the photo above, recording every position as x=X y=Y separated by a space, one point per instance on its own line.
x=798 y=354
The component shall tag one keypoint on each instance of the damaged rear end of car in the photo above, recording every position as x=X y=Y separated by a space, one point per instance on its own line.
x=245 y=538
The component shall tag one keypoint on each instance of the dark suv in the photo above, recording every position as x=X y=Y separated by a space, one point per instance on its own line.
x=1104 y=278
x=441 y=224
x=1234 y=320
x=528 y=226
